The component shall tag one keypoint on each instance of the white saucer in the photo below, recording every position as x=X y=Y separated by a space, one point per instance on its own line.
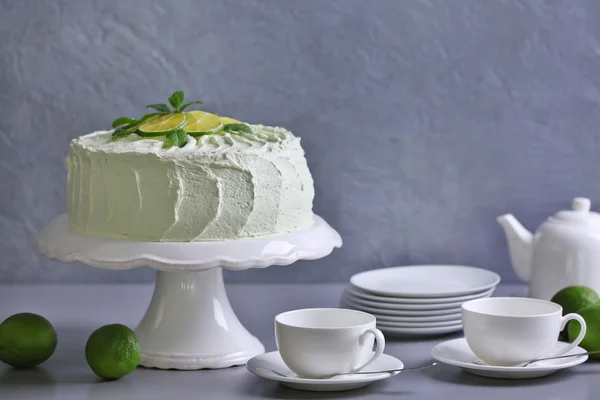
x=262 y=365
x=440 y=330
x=426 y=281
x=356 y=292
x=440 y=318
x=457 y=352
x=350 y=303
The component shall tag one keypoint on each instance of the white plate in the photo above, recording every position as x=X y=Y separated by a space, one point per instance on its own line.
x=440 y=318
x=457 y=352
x=397 y=306
x=440 y=330
x=440 y=324
x=349 y=303
x=426 y=281
x=263 y=364
x=412 y=300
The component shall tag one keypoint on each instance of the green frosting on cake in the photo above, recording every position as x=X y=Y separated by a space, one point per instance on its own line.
x=215 y=187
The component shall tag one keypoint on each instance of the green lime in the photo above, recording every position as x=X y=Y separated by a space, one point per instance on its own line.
x=113 y=351
x=227 y=120
x=162 y=125
x=591 y=341
x=26 y=340
x=574 y=298
x=202 y=123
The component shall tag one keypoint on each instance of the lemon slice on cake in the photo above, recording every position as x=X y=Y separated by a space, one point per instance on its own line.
x=202 y=123
x=162 y=125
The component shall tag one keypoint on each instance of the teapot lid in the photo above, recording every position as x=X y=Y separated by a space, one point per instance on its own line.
x=580 y=213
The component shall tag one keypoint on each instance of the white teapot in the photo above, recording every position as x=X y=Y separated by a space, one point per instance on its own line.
x=564 y=251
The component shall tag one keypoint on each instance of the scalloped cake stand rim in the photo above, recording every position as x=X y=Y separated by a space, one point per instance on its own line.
x=57 y=241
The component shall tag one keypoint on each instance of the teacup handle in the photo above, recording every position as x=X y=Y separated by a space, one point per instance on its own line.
x=563 y=323
x=379 y=347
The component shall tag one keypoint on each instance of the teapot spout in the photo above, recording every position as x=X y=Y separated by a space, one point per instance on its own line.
x=520 y=244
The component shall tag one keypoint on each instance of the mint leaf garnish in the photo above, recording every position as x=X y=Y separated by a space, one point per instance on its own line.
x=123 y=121
x=186 y=105
x=178 y=137
x=237 y=128
x=162 y=108
x=176 y=99
x=121 y=132
x=149 y=134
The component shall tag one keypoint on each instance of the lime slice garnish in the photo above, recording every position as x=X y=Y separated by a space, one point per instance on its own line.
x=202 y=123
x=227 y=120
x=162 y=125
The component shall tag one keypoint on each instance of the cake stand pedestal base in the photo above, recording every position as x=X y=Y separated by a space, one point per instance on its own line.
x=190 y=324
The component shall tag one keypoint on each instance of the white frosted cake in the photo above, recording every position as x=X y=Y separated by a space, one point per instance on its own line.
x=217 y=186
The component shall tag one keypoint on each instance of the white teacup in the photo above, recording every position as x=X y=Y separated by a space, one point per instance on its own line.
x=320 y=342
x=508 y=331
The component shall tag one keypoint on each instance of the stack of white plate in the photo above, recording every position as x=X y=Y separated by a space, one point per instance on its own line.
x=420 y=299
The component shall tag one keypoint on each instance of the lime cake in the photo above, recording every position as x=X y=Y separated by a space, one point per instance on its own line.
x=183 y=176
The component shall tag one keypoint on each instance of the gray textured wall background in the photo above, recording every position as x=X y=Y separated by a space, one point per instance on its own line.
x=422 y=120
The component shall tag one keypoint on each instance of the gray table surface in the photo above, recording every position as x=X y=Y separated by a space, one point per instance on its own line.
x=76 y=310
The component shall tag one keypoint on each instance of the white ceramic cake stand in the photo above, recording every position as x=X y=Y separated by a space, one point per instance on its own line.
x=189 y=323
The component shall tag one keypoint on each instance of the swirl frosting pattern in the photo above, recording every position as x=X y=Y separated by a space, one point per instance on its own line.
x=216 y=187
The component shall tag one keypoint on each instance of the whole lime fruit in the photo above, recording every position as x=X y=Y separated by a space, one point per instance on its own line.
x=26 y=340
x=113 y=351
x=574 y=298
x=591 y=341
